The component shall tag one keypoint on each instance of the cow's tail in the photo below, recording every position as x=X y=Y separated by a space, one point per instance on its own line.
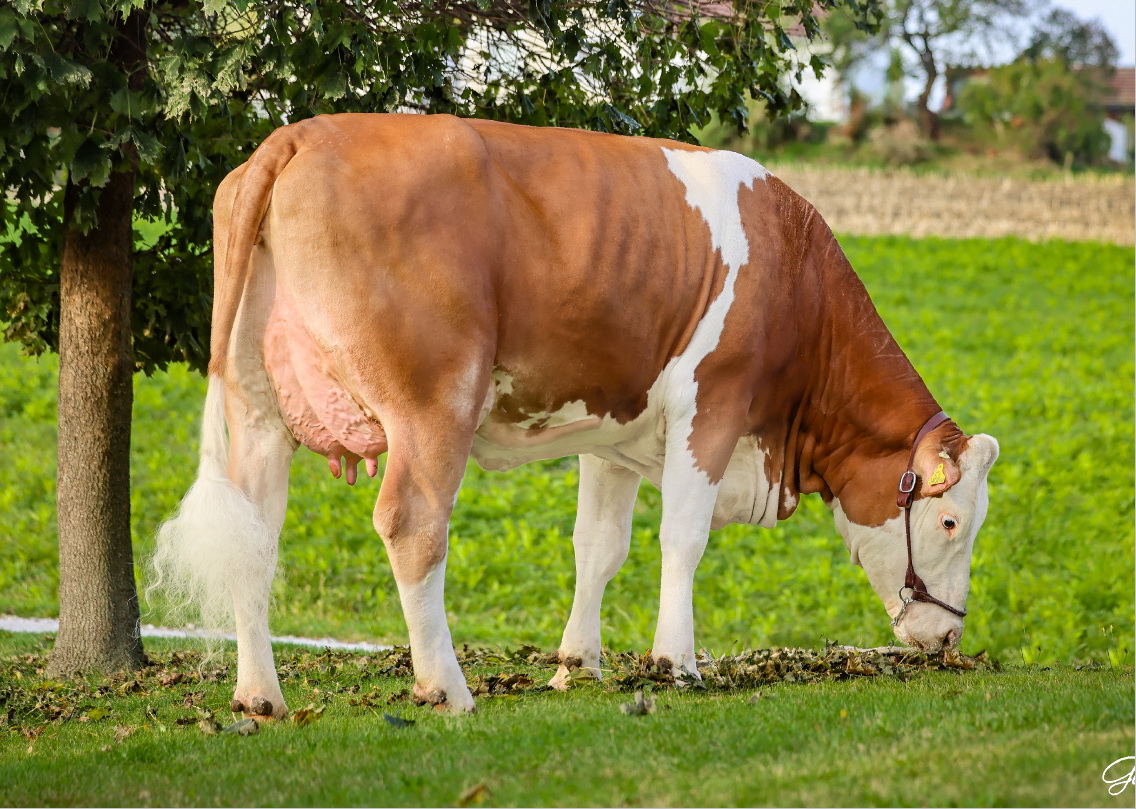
x=217 y=554
x=238 y=215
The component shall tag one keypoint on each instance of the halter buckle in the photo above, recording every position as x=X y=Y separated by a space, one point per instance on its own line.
x=903 y=610
x=907 y=482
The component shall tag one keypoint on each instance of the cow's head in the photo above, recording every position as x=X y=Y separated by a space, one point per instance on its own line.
x=945 y=519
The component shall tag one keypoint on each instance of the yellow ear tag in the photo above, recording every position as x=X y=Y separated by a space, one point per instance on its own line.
x=938 y=476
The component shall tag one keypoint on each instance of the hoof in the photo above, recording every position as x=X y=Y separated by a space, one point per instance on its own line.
x=572 y=668
x=681 y=673
x=435 y=697
x=259 y=708
x=440 y=701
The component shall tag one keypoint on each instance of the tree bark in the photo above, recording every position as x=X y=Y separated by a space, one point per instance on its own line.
x=98 y=602
x=928 y=119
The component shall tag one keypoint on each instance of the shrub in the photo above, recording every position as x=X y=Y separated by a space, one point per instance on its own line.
x=900 y=144
x=1041 y=108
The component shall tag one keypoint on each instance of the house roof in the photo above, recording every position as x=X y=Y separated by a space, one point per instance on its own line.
x=726 y=10
x=1122 y=89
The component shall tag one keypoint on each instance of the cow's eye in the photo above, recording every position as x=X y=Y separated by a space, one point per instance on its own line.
x=949 y=522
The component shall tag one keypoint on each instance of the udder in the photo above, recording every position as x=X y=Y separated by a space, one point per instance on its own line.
x=318 y=407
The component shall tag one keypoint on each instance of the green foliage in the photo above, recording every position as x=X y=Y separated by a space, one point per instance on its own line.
x=1063 y=36
x=766 y=132
x=1042 y=108
x=923 y=35
x=1023 y=737
x=180 y=92
x=1030 y=343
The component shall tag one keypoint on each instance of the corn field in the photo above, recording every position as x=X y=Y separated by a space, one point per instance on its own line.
x=867 y=201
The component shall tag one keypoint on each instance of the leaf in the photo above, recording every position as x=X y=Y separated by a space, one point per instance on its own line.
x=397 y=721
x=640 y=707
x=8 y=27
x=64 y=71
x=243 y=727
x=306 y=716
x=95 y=714
x=475 y=796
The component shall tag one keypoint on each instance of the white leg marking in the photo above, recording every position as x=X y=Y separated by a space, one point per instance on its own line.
x=218 y=553
x=688 y=506
x=713 y=181
x=601 y=540
x=436 y=671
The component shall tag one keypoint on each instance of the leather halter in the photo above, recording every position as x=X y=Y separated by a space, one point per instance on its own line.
x=907 y=484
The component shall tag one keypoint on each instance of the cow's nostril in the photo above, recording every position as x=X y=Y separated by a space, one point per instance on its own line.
x=951 y=638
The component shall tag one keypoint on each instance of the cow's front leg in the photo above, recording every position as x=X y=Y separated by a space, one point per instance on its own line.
x=412 y=516
x=601 y=540
x=690 y=489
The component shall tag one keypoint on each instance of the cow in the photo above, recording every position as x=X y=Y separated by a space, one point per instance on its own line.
x=435 y=288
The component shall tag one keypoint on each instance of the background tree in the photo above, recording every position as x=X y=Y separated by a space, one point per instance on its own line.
x=1063 y=36
x=928 y=34
x=934 y=31
x=121 y=116
x=1041 y=109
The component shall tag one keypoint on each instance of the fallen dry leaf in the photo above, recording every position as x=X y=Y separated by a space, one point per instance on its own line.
x=243 y=727
x=475 y=796
x=640 y=707
x=306 y=716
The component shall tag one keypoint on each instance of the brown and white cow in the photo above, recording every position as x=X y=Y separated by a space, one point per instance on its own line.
x=436 y=288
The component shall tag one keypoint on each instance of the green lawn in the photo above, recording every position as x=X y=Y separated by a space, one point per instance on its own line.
x=1019 y=736
x=1029 y=342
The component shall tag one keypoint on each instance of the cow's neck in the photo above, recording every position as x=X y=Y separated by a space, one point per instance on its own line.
x=864 y=401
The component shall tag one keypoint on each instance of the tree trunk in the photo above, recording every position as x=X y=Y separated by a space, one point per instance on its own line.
x=98 y=602
x=928 y=119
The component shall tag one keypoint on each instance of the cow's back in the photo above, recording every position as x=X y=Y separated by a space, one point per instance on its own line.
x=580 y=263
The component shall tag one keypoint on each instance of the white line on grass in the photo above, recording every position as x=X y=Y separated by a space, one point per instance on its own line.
x=13 y=623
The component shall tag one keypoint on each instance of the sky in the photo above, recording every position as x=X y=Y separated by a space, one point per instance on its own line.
x=1118 y=16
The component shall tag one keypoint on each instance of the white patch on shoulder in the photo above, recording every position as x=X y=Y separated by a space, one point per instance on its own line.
x=713 y=181
x=790 y=501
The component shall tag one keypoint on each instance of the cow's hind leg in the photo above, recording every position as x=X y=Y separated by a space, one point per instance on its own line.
x=259 y=461
x=425 y=465
x=601 y=540
x=219 y=551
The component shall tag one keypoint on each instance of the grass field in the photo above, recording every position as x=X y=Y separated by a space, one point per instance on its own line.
x=1029 y=342
x=1022 y=736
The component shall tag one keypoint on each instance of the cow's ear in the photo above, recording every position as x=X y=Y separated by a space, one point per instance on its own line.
x=980 y=454
x=936 y=468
